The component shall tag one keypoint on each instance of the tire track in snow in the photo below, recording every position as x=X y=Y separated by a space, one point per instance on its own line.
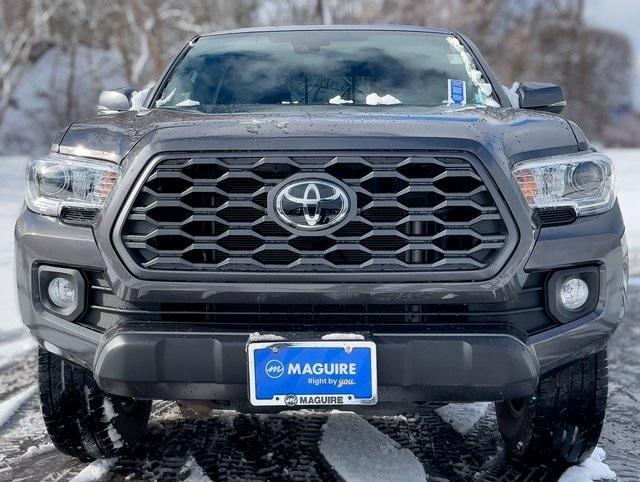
x=12 y=352
x=18 y=376
x=10 y=335
x=10 y=406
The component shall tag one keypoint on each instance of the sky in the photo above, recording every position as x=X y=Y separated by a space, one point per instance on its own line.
x=622 y=16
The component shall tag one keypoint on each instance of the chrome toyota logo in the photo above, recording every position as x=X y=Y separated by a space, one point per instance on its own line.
x=312 y=205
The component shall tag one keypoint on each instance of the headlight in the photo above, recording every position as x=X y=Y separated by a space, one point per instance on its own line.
x=58 y=181
x=582 y=181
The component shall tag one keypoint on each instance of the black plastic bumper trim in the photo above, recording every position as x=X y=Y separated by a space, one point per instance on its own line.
x=143 y=363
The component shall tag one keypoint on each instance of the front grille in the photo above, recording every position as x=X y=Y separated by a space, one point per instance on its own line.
x=525 y=312
x=417 y=212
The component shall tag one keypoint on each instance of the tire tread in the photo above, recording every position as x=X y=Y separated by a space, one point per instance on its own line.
x=74 y=412
x=563 y=420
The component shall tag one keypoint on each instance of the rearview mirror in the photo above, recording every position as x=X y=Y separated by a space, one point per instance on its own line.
x=112 y=101
x=541 y=96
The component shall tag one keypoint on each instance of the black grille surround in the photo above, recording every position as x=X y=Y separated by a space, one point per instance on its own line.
x=418 y=212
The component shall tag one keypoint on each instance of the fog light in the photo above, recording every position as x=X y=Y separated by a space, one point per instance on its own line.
x=62 y=292
x=574 y=293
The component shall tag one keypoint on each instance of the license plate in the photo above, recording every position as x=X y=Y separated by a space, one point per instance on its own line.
x=312 y=373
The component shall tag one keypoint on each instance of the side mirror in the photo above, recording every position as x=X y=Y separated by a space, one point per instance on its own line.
x=541 y=96
x=112 y=101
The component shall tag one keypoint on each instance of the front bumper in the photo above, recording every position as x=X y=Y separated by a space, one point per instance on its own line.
x=150 y=361
x=196 y=361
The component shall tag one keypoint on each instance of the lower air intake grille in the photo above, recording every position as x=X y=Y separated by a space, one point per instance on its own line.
x=417 y=212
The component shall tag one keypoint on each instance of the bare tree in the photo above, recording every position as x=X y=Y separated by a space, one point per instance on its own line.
x=24 y=30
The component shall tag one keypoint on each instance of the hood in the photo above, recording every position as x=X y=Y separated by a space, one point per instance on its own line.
x=510 y=134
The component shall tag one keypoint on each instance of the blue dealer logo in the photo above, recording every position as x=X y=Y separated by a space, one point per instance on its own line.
x=457 y=92
x=274 y=369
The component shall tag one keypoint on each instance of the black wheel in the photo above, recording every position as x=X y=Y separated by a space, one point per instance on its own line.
x=562 y=422
x=82 y=420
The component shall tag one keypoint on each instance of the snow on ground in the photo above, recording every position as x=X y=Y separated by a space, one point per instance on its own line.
x=15 y=349
x=359 y=452
x=10 y=406
x=627 y=172
x=591 y=469
x=462 y=416
x=95 y=471
x=35 y=450
x=11 y=195
x=194 y=471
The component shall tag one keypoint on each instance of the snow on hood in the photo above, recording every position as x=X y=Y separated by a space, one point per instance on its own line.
x=338 y=100
x=375 y=99
x=187 y=103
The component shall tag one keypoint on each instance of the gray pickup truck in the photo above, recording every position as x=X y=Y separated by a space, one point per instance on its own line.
x=324 y=217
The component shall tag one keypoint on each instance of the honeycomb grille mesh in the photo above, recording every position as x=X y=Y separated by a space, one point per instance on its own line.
x=415 y=213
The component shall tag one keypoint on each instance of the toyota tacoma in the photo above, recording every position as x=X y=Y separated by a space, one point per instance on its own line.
x=324 y=217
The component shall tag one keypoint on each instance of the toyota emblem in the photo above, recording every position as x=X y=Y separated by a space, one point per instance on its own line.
x=313 y=204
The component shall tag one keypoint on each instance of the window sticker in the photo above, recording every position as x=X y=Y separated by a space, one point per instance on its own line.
x=457 y=92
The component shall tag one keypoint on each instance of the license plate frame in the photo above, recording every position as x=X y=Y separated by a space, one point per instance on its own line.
x=263 y=389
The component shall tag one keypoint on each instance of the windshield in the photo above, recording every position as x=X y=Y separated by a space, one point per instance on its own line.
x=290 y=69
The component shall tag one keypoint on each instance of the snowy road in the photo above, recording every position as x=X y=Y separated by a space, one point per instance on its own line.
x=452 y=443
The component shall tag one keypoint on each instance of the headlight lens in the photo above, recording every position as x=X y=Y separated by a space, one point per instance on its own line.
x=58 y=181
x=584 y=182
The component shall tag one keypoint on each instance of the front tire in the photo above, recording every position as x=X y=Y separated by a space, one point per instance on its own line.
x=82 y=420
x=563 y=420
